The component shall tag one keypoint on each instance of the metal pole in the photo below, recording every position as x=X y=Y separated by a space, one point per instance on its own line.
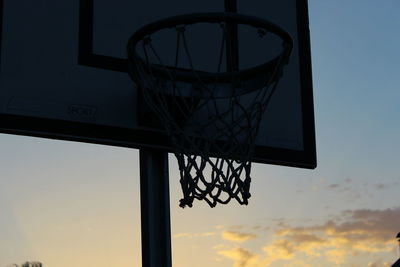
x=155 y=209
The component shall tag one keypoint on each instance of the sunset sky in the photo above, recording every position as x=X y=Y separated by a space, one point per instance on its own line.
x=73 y=204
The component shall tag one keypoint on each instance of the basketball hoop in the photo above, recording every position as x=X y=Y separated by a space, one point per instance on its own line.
x=212 y=118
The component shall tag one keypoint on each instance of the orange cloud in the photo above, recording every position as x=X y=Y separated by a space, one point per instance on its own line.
x=281 y=249
x=379 y=263
x=242 y=257
x=360 y=233
x=337 y=255
x=237 y=236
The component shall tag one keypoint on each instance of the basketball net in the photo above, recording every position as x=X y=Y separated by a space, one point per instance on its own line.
x=211 y=118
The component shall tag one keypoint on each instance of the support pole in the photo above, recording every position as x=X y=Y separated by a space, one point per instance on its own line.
x=155 y=209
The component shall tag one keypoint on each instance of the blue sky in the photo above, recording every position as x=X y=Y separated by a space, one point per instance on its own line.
x=67 y=203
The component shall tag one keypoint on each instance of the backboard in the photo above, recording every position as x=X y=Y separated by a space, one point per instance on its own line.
x=63 y=73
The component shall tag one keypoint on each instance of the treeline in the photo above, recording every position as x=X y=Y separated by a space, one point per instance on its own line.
x=27 y=264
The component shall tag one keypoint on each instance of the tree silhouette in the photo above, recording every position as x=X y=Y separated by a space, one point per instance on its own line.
x=31 y=264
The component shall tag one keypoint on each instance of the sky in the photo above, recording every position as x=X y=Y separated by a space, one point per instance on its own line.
x=74 y=204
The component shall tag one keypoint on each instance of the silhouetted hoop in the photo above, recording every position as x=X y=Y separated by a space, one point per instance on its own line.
x=212 y=118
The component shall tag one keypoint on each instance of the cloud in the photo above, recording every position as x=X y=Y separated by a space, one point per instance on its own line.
x=260 y=227
x=359 y=231
x=380 y=186
x=379 y=263
x=242 y=257
x=281 y=250
x=341 y=188
x=334 y=186
x=337 y=256
x=356 y=226
x=245 y=258
x=297 y=263
x=363 y=233
x=237 y=236
x=372 y=224
x=236 y=227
